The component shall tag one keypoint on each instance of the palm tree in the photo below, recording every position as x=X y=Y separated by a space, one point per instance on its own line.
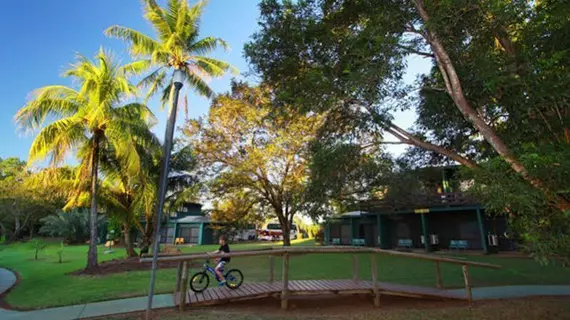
x=177 y=46
x=87 y=120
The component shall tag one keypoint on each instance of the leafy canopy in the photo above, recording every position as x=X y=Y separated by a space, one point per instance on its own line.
x=177 y=46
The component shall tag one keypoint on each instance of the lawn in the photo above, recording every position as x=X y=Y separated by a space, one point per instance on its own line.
x=45 y=282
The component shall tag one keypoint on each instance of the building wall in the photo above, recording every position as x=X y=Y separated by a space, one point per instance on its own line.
x=459 y=225
x=189 y=232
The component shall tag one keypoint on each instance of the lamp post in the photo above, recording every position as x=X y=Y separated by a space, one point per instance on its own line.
x=167 y=148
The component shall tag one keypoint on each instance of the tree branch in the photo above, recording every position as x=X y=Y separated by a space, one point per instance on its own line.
x=414 y=51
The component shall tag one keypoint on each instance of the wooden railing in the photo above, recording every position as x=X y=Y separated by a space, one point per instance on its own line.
x=414 y=201
x=287 y=252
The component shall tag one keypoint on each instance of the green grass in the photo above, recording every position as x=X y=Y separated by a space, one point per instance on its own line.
x=45 y=283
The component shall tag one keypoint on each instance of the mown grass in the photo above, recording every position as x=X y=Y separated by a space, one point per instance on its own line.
x=46 y=283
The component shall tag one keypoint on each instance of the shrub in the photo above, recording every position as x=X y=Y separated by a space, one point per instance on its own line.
x=37 y=245
x=60 y=252
x=72 y=226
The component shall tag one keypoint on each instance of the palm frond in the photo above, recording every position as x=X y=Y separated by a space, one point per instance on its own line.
x=174 y=10
x=139 y=43
x=136 y=68
x=124 y=146
x=198 y=84
x=213 y=67
x=166 y=94
x=153 y=82
x=59 y=101
x=192 y=23
x=156 y=16
x=207 y=45
x=135 y=112
x=57 y=139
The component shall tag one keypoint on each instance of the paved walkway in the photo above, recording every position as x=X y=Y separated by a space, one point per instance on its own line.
x=97 y=309
x=7 y=280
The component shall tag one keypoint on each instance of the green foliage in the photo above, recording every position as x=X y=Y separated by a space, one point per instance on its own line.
x=11 y=167
x=60 y=252
x=541 y=227
x=25 y=199
x=176 y=46
x=254 y=159
x=93 y=121
x=37 y=245
x=72 y=226
x=497 y=86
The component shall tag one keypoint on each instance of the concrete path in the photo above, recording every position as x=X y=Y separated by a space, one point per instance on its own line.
x=7 y=280
x=97 y=309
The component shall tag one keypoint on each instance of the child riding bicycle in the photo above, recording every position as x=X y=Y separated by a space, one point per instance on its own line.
x=221 y=262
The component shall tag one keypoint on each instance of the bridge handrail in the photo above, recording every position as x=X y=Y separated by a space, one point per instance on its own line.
x=327 y=249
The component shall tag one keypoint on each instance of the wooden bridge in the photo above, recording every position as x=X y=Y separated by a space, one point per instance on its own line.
x=285 y=289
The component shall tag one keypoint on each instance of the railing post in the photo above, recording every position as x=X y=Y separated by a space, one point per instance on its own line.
x=184 y=290
x=467 y=283
x=178 y=276
x=375 y=286
x=285 y=291
x=354 y=268
x=271 y=268
x=438 y=276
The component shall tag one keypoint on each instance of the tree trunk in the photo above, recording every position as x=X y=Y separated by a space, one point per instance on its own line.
x=286 y=229
x=455 y=90
x=147 y=235
x=129 y=247
x=17 y=226
x=92 y=253
x=408 y=138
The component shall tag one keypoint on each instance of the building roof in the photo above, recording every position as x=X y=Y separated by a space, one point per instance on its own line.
x=351 y=214
x=194 y=219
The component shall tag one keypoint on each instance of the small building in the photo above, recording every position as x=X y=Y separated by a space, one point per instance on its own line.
x=191 y=224
x=450 y=218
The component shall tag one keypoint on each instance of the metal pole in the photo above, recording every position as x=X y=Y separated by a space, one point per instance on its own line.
x=167 y=148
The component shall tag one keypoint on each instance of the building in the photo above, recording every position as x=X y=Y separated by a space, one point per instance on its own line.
x=450 y=218
x=189 y=223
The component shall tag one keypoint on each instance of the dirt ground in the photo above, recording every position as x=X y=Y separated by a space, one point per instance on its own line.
x=123 y=265
x=361 y=308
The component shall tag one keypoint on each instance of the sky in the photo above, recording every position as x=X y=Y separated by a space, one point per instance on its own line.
x=41 y=38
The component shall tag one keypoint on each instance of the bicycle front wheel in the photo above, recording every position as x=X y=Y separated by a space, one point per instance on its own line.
x=199 y=282
x=234 y=279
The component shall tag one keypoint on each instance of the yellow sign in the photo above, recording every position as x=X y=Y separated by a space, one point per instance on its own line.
x=421 y=211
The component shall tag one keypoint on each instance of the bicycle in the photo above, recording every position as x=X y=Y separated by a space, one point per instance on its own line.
x=200 y=280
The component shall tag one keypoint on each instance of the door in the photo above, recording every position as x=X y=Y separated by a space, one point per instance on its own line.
x=190 y=234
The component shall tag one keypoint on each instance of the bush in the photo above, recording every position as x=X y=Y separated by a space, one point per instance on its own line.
x=37 y=245
x=60 y=252
x=72 y=226
x=320 y=235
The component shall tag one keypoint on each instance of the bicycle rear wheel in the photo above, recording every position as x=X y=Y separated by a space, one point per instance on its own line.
x=199 y=282
x=234 y=278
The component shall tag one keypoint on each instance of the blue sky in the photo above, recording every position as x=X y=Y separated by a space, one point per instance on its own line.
x=41 y=37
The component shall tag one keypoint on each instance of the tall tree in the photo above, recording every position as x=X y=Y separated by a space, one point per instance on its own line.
x=345 y=54
x=251 y=155
x=88 y=119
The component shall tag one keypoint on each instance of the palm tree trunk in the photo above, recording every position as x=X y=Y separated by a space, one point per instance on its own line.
x=92 y=253
x=129 y=247
x=147 y=235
